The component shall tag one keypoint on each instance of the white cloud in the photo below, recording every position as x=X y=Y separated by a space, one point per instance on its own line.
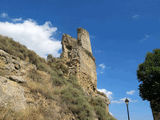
x=131 y=92
x=111 y=113
x=98 y=51
x=3 y=15
x=119 y=101
x=36 y=37
x=108 y=93
x=136 y=16
x=146 y=37
x=101 y=72
x=102 y=66
x=17 y=19
x=122 y=100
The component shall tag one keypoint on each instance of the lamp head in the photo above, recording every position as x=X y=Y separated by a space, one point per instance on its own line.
x=126 y=101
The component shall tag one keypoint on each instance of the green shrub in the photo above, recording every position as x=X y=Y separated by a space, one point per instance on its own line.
x=58 y=81
x=77 y=103
x=100 y=108
x=34 y=75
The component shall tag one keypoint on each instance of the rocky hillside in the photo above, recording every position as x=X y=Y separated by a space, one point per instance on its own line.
x=32 y=88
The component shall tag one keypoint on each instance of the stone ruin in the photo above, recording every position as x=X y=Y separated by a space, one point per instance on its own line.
x=81 y=62
x=77 y=53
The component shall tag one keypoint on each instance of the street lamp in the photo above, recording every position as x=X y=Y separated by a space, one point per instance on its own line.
x=127 y=101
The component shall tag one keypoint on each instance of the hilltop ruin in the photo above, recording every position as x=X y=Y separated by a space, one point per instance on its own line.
x=62 y=88
x=78 y=56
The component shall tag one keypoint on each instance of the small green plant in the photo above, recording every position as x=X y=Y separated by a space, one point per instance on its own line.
x=77 y=102
x=100 y=109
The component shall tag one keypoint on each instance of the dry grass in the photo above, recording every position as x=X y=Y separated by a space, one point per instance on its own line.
x=30 y=113
x=2 y=63
x=40 y=82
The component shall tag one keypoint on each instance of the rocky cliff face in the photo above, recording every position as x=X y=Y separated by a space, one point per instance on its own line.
x=12 y=73
x=32 y=88
x=20 y=94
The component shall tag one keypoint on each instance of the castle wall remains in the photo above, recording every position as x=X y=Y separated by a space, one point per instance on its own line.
x=78 y=56
x=81 y=61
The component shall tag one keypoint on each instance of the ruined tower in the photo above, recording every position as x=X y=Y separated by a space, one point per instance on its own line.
x=77 y=54
x=83 y=39
x=81 y=62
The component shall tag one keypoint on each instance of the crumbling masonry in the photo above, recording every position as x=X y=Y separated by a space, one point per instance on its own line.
x=81 y=61
x=78 y=54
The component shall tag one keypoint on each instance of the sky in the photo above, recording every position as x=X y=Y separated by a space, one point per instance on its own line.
x=121 y=33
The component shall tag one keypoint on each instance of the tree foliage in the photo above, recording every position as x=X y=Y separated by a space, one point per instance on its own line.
x=149 y=77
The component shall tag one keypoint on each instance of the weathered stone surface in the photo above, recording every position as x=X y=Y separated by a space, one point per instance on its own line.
x=78 y=54
x=12 y=67
x=18 y=79
x=11 y=94
x=16 y=97
x=83 y=39
x=79 y=58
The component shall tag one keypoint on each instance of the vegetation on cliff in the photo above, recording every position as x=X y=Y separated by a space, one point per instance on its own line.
x=56 y=87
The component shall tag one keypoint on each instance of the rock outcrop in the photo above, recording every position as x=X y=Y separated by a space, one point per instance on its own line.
x=62 y=88
x=17 y=93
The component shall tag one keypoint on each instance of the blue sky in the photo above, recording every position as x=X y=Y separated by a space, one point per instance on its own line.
x=121 y=33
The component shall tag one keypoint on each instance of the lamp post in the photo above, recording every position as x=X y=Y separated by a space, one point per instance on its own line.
x=127 y=101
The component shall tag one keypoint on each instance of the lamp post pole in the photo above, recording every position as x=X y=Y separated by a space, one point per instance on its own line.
x=127 y=101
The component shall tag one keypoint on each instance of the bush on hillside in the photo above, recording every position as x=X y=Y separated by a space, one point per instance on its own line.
x=100 y=108
x=77 y=103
